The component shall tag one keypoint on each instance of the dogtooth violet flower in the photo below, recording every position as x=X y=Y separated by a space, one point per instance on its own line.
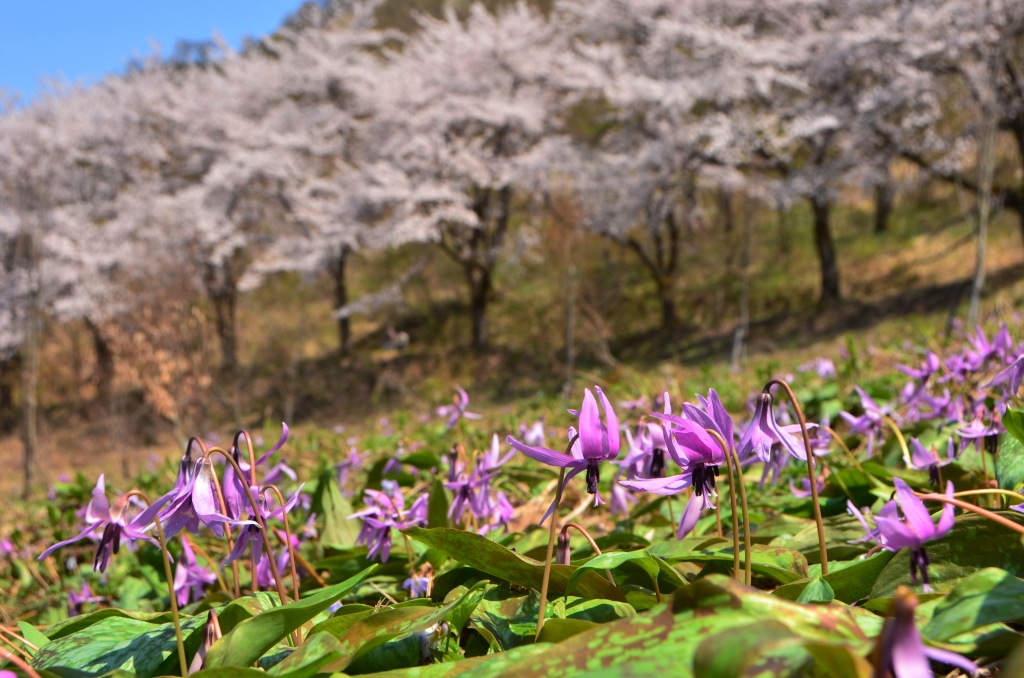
x=763 y=432
x=457 y=410
x=597 y=441
x=386 y=509
x=699 y=454
x=195 y=503
x=250 y=534
x=915 y=530
x=117 y=523
x=900 y=651
x=925 y=459
x=190 y=578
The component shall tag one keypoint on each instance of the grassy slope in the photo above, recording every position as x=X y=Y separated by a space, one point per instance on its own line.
x=899 y=288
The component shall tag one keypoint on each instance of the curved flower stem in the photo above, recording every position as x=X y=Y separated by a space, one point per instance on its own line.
x=20 y=663
x=551 y=550
x=210 y=561
x=252 y=453
x=899 y=436
x=175 y=617
x=288 y=538
x=994 y=517
x=718 y=519
x=310 y=570
x=586 y=535
x=747 y=552
x=227 y=531
x=551 y=540
x=1005 y=493
x=297 y=634
x=732 y=504
x=259 y=521
x=811 y=476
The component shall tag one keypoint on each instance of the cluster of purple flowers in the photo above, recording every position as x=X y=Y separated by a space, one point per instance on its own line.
x=384 y=510
x=473 y=493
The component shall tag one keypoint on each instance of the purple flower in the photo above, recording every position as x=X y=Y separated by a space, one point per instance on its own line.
x=457 y=410
x=416 y=586
x=621 y=499
x=116 y=524
x=190 y=578
x=534 y=434
x=251 y=534
x=915 y=530
x=870 y=423
x=76 y=599
x=823 y=367
x=194 y=504
x=924 y=459
x=903 y=655
x=598 y=441
x=763 y=432
x=1011 y=375
x=699 y=455
x=386 y=509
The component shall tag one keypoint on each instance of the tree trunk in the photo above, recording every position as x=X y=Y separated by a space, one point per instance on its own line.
x=725 y=209
x=341 y=300
x=826 y=249
x=223 y=292
x=104 y=365
x=883 y=207
x=479 y=290
x=29 y=395
x=668 y=303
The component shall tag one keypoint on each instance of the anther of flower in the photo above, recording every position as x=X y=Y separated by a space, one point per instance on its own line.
x=598 y=440
x=117 y=523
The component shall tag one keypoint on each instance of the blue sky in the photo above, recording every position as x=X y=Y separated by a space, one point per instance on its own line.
x=83 y=40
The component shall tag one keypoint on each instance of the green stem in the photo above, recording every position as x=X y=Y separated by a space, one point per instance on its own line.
x=747 y=553
x=811 y=475
x=732 y=504
x=551 y=546
x=259 y=521
x=166 y=557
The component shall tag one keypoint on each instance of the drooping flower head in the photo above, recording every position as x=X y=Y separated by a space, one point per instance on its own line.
x=915 y=530
x=925 y=459
x=457 y=410
x=117 y=523
x=595 y=442
x=901 y=653
x=763 y=432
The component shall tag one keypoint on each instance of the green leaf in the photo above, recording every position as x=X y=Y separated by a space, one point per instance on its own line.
x=248 y=641
x=849 y=582
x=316 y=652
x=728 y=654
x=556 y=630
x=437 y=505
x=119 y=642
x=32 y=634
x=816 y=591
x=987 y=596
x=496 y=560
x=781 y=564
x=84 y=621
x=328 y=502
x=1010 y=462
x=377 y=629
x=1013 y=422
x=246 y=607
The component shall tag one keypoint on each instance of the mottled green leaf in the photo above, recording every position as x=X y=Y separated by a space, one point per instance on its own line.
x=816 y=591
x=781 y=564
x=849 y=582
x=485 y=555
x=118 y=642
x=556 y=630
x=987 y=596
x=83 y=621
x=251 y=638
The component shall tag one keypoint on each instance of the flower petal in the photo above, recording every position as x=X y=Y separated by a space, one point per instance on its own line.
x=277 y=446
x=663 y=486
x=542 y=454
x=690 y=516
x=611 y=431
x=918 y=519
x=592 y=438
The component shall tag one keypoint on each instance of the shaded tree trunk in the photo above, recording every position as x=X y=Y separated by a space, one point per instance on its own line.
x=725 y=209
x=479 y=280
x=826 y=249
x=669 y=317
x=30 y=393
x=223 y=293
x=883 y=207
x=104 y=364
x=341 y=299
